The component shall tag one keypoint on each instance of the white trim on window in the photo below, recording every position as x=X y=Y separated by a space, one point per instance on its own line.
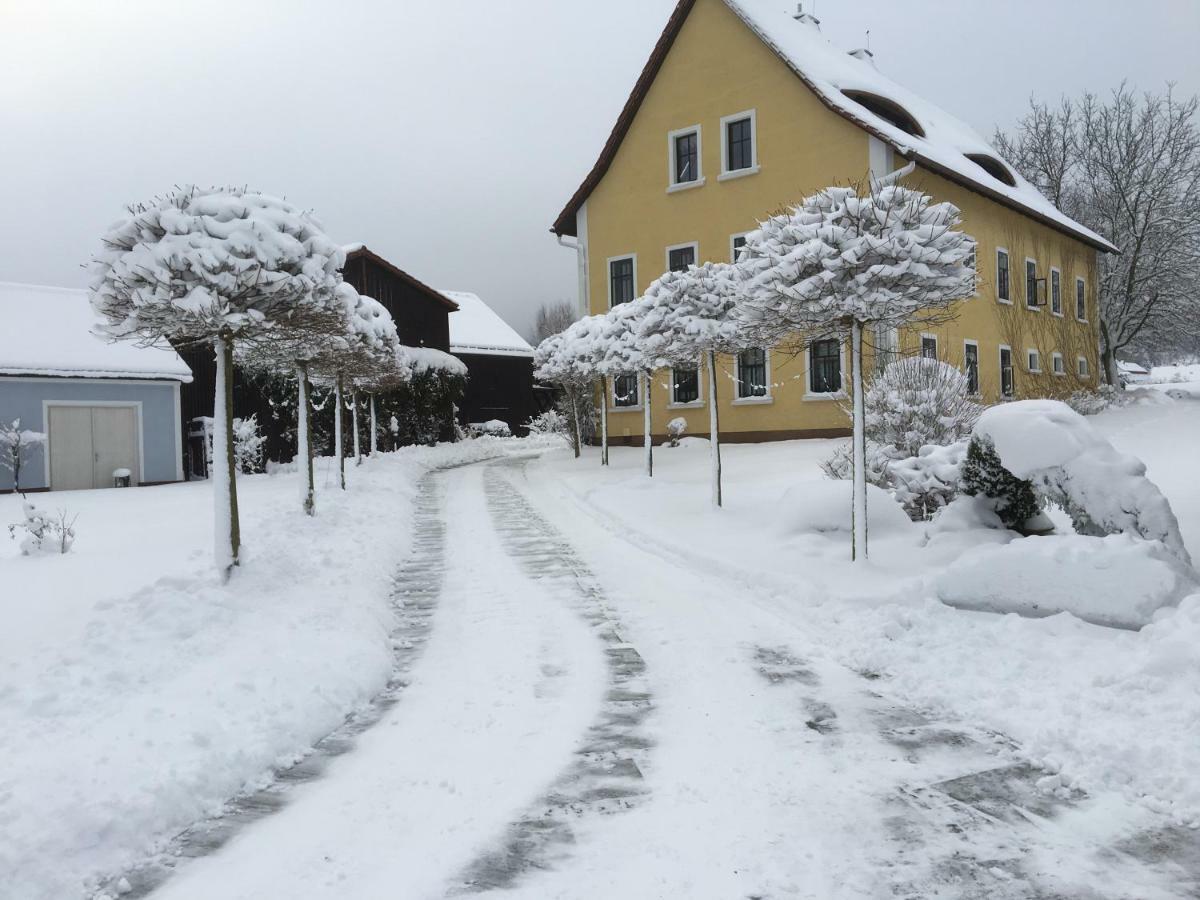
x=1057 y=366
x=1025 y=280
x=1055 y=270
x=695 y=404
x=809 y=393
x=608 y=274
x=751 y=401
x=967 y=342
x=1083 y=368
x=698 y=181
x=695 y=245
x=732 y=238
x=1033 y=360
x=612 y=390
x=1011 y=367
x=1075 y=299
x=928 y=336
x=1008 y=260
x=753 y=169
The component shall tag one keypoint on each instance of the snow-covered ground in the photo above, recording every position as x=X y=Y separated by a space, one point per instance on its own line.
x=622 y=693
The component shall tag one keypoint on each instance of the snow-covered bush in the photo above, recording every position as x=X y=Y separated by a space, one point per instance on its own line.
x=840 y=465
x=490 y=428
x=15 y=444
x=983 y=475
x=1088 y=403
x=916 y=402
x=43 y=532
x=676 y=429
x=926 y=483
x=248 y=445
x=1055 y=449
x=549 y=422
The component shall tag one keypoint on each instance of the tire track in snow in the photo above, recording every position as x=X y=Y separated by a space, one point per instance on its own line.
x=417 y=587
x=606 y=776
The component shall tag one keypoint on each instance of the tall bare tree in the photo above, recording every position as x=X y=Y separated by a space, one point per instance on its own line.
x=1129 y=168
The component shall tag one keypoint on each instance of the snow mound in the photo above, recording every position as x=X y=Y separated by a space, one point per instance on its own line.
x=1116 y=580
x=824 y=507
x=1104 y=491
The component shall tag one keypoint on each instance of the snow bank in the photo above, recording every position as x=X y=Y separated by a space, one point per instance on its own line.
x=137 y=693
x=1116 y=580
x=1103 y=491
x=824 y=507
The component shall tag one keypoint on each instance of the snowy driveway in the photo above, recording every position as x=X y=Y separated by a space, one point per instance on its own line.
x=590 y=719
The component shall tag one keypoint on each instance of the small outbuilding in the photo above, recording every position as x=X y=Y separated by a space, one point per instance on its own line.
x=103 y=407
x=499 y=365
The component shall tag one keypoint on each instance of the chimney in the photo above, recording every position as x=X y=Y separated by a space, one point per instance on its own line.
x=865 y=55
x=806 y=19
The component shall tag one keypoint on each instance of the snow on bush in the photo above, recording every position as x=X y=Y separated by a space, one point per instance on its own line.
x=43 y=532
x=1102 y=490
x=928 y=482
x=15 y=444
x=676 y=429
x=983 y=475
x=1116 y=580
x=248 y=443
x=823 y=507
x=551 y=422
x=490 y=428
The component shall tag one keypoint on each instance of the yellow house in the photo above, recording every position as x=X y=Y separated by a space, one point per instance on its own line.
x=743 y=109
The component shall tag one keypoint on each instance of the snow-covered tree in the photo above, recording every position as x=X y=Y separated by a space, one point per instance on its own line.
x=226 y=267
x=848 y=258
x=15 y=444
x=562 y=360
x=626 y=349
x=689 y=320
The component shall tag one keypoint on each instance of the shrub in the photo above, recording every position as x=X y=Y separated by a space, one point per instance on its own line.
x=925 y=483
x=549 y=422
x=44 y=533
x=490 y=428
x=676 y=429
x=1012 y=498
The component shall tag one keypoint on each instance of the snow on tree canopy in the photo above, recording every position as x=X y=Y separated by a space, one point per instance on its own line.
x=885 y=257
x=625 y=349
x=1104 y=491
x=197 y=263
x=688 y=313
x=574 y=354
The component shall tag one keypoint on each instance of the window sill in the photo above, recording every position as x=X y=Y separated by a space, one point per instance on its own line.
x=1081 y=321
x=695 y=404
x=1005 y=302
x=1033 y=308
x=623 y=409
x=812 y=396
x=686 y=185
x=1035 y=372
x=738 y=173
x=753 y=401
x=1057 y=315
x=1060 y=374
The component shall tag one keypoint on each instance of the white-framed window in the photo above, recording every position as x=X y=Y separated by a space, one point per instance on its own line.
x=684 y=159
x=1008 y=384
x=626 y=392
x=739 y=145
x=971 y=365
x=929 y=346
x=736 y=243
x=1056 y=292
x=680 y=256
x=1080 y=300
x=1031 y=284
x=753 y=374
x=1033 y=360
x=1081 y=367
x=1003 y=277
x=825 y=376
x=622 y=279
x=887 y=345
x=685 y=386
x=1057 y=366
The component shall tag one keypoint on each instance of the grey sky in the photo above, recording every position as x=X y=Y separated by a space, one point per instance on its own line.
x=447 y=135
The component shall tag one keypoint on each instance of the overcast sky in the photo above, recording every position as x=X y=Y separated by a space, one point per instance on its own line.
x=447 y=135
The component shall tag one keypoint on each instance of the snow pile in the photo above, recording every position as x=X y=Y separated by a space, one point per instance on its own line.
x=49 y=331
x=421 y=360
x=137 y=692
x=1116 y=580
x=823 y=507
x=476 y=328
x=1102 y=490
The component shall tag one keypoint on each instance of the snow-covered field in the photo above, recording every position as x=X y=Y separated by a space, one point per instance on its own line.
x=623 y=693
x=137 y=693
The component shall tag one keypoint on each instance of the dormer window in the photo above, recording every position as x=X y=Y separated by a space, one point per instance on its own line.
x=684 y=149
x=888 y=110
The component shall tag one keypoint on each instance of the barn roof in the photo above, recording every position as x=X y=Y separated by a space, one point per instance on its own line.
x=359 y=251
x=49 y=331
x=477 y=328
x=851 y=86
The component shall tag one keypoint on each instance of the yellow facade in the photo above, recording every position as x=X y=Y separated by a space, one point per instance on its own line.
x=718 y=67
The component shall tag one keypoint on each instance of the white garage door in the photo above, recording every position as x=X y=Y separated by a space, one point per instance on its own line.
x=88 y=442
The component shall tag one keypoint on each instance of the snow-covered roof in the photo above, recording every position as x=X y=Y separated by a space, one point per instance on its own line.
x=931 y=136
x=48 y=331
x=476 y=328
x=1131 y=368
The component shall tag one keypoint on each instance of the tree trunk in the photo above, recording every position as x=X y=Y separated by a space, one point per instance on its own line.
x=337 y=427
x=714 y=435
x=648 y=442
x=1108 y=358
x=374 y=430
x=859 y=515
x=354 y=425
x=577 y=432
x=604 y=420
x=227 y=530
x=304 y=448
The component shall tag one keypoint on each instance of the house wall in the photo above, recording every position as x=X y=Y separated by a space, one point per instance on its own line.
x=160 y=450
x=718 y=67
